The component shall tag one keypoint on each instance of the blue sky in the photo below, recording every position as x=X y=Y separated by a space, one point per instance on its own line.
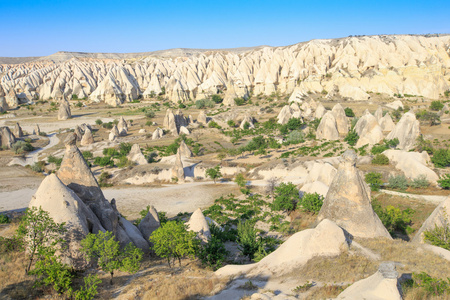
x=38 y=28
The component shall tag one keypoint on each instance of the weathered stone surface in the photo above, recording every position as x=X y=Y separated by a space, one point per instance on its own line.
x=87 y=138
x=136 y=155
x=122 y=127
x=64 y=112
x=348 y=202
x=114 y=133
x=368 y=130
x=439 y=217
x=184 y=150
x=149 y=223
x=247 y=119
x=202 y=118
x=285 y=114
x=7 y=138
x=157 y=134
x=198 y=224
x=320 y=111
x=386 y=123
x=18 y=133
x=178 y=169
x=327 y=128
x=341 y=120
x=36 y=130
x=406 y=131
x=79 y=133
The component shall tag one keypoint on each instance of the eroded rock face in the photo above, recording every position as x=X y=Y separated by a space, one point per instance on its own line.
x=114 y=133
x=327 y=128
x=122 y=127
x=7 y=138
x=184 y=150
x=36 y=130
x=320 y=111
x=18 y=131
x=370 y=133
x=136 y=155
x=202 y=119
x=64 y=112
x=341 y=120
x=149 y=223
x=79 y=133
x=406 y=131
x=87 y=138
x=440 y=217
x=198 y=224
x=285 y=114
x=157 y=134
x=386 y=123
x=178 y=169
x=247 y=119
x=348 y=202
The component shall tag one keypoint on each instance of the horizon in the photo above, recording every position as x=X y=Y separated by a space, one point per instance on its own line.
x=146 y=26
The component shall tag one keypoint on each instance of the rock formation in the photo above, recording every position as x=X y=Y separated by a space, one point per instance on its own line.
x=198 y=224
x=184 y=150
x=157 y=134
x=378 y=113
x=406 y=131
x=63 y=205
x=381 y=285
x=36 y=130
x=64 y=112
x=440 y=217
x=149 y=223
x=136 y=155
x=3 y=104
x=170 y=123
x=285 y=114
x=18 y=133
x=178 y=169
x=87 y=138
x=348 y=202
x=78 y=132
x=368 y=130
x=247 y=119
x=122 y=127
x=327 y=128
x=341 y=120
x=386 y=123
x=6 y=137
x=202 y=118
x=184 y=130
x=114 y=133
x=320 y=111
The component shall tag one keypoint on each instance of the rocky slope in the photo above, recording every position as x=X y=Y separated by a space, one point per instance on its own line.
x=352 y=68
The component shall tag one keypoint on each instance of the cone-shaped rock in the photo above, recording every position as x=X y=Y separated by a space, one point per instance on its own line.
x=440 y=218
x=201 y=118
x=36 y=130
x=327 y=128
x=87 y=138
x=368 y=130
x=386 y=123
x=320 y=111
x=407 y=130
x=184 y=150
x=136 y=155
x=285 y=114
x=378 y=113
x=18 y=131
x=64 y=112
x=78 y=132
x=178 y=169
x=170 y=123
x=247 y=119
x=63 y=205
x=157 y=134
x=3 y=104
x=348 y=202
x=6 y=137
x=122 y=127
x=198 y=224
x=149 y=223
x=341 y=119
x=113 y=134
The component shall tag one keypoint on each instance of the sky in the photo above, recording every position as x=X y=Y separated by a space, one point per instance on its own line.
x=40 y=28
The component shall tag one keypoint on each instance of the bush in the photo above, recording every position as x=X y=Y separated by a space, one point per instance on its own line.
x=393 y=218
x=351 y=138
x=51 y=272
x=104 y=161
x=420 y=182
x=213 y=253
x=440 y=235
x=436 y=105
x=214 y=173
x=380 y=159
x=286 y=197
x=150 y=114
x=55 y=160
x=377 y=149
x=213 y=124
x=4 y=219
x=349 y=112
x=441 y=158
x=231 y=123
x=444 y=181
x=87 y=154
x=432 y=286
x=89 y=290
x=239 y=101
x=398 y=182
x=247 y=238
x=295 y=137
x=20 y=147
x=373 y=179
x=98 y=122
x=312 y=202
x=203 y=103
x=38 y=166
x=216 y=98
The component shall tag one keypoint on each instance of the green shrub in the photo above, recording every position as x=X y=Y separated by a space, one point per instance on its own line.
x=373 y=179
x=87 y=154
x=49 y=271
x=444 y=181
x=351 y=138
x=432 y=286
x=247 y=238
x=98 y=122
x=393 y=218
x=377 y=149
x=150 y=114
x=420 y=182
x=436 y=105
x=349 y=112
x=312 y=202
x=216 y=98
x=295 y=137
x=104 y=161
x=213 y=253
x=4 y=219
x=213 y=124
x=380 y=159
x=439 y=235
x=20 y=147
x=204 y=103
x=231 y=123
x=398 y=182
x=108 y=125
x=441 y=158
x=55 y=160
x=286 y=197
x=38 y=166
x=89 y=290
x=239 y=101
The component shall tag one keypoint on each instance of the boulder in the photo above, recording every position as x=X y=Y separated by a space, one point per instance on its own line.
x=381 y=285
x=18 y=133
x=368 y=130
x=184 y=150
x=157 y=134
x=348 y=202
x=440 y=217
x=327 y=128
x=198 y=224
x=406 y=131
x=114 y=133
x=412 y=164
x=184 y=130
x=247 y=119
x=78 y=132
x=136 y=155
x=7 y=138
x=395 y=105
x=285 y=114
x=386 y=123
x=64 y=112
x=149 y=223
x=63 y=205
x=87 y=138
x=326 y=240
x=122 y=127
x=178 y=169
x=202 y=118
x=341 y=119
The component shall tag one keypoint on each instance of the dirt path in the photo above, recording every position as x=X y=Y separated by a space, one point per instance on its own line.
x=427 y=198
x=33 y=156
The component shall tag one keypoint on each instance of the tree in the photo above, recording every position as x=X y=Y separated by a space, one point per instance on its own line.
x=436 y=105
x=349 y=112
x=312 y=202
x=374 y=180
x=247 y=238
x=444 y=181
x=40 y=233
x=380 y=159
x=103 y=249
x=287 y=196
x=173 y=241
x=213 y=253
x=351 y=138
x=214 y=173
x=240 y=180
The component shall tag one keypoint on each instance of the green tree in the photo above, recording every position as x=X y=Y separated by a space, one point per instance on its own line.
x=89 y=290
x=373 y=179
x=173 y=241
x=312 y=202
x=49 y=271
x=349 y=112
x=104 y=250
x=240 y=180
x=213 y=253
x=287 y=196
x=41 y=235
x=214 y=173
x=444 y=181
x=247 y=238
x=436 y=105
x=351 y=138
x=380 y=159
